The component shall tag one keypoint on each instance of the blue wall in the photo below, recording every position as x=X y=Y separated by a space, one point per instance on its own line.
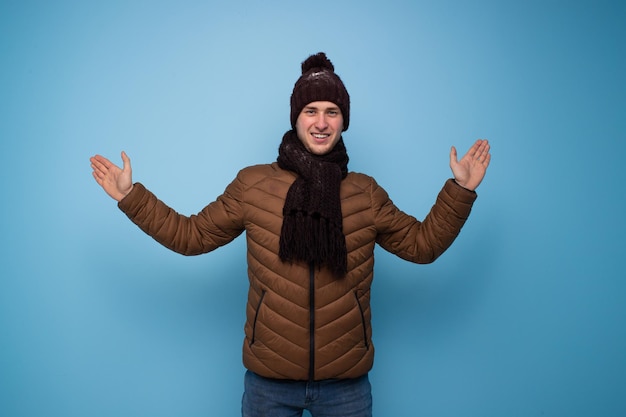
x=523 y=316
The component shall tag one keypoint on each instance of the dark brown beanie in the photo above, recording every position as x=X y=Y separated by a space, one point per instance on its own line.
x=319 y=83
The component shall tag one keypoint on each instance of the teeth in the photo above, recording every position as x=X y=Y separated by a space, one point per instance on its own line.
x=320 y=136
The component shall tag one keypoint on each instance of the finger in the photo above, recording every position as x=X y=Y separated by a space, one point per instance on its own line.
x=476 y=147
x=487 y=160
x=102 y=160
x=125 y=161
x=98 y=166
x=98 y=179
x=472 y=152
x=453 y=156
x=482 y=150
x=485 y=151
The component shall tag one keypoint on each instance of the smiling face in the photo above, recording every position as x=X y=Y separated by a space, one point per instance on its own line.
x=319 y=126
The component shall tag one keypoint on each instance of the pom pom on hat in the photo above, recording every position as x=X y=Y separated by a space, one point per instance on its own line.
x=319 y=83
x=319 y=61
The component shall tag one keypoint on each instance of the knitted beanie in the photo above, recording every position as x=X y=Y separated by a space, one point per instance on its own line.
x=319 y=83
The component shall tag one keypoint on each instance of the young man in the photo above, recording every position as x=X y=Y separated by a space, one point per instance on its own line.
x=311 y=227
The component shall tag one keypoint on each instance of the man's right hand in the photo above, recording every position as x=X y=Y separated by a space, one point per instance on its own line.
x=115 y=181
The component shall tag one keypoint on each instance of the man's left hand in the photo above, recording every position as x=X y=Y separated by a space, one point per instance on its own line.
x=470 y=170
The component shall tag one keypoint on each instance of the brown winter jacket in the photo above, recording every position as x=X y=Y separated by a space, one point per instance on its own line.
x=303 y=323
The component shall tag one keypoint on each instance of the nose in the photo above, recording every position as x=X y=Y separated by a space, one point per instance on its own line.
x=321 y=122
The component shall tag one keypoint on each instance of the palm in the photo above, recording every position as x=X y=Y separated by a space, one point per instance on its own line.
x=470 y=170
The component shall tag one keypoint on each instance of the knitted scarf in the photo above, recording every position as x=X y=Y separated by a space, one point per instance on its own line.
x=312 y=228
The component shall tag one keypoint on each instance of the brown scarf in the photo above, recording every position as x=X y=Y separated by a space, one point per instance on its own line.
x=312 y=228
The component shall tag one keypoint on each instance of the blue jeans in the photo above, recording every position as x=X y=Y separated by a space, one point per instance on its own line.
x=265 y=397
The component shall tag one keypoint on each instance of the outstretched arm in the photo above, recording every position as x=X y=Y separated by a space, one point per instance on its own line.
x=470 y=170
x=116 y=181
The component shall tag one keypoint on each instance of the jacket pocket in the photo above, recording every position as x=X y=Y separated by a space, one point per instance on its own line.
x=363 y=324
x=256 y=316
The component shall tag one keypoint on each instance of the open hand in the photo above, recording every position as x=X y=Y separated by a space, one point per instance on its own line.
x=470 y=170
x=116 y=181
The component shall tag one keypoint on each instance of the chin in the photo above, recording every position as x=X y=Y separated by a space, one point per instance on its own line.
x=320 y=151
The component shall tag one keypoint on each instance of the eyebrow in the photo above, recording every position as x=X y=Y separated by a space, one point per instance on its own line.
x=332 y=108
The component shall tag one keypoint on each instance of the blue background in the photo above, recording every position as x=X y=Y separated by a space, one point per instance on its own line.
x=523 y=316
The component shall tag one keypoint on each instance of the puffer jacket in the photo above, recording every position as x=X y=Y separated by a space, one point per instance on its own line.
x=302 y=322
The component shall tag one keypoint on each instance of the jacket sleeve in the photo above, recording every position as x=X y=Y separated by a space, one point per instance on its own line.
x=422 y=242
x=217 y=224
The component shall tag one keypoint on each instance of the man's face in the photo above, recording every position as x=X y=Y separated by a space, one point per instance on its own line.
x=319 y=126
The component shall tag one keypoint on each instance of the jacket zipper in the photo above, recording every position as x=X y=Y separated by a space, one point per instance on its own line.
x=256 y=316
x=311 y=322
x=358 y=303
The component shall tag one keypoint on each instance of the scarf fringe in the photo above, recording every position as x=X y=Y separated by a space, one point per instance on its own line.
x=304 y=238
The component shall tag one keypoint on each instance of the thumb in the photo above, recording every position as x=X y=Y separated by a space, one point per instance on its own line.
x=453 y=156
x=126 y=161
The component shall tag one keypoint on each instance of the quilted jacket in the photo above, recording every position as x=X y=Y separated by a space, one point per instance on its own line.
x=302 y=322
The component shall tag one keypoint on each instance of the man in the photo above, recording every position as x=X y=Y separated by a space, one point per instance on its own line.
x=311 y=227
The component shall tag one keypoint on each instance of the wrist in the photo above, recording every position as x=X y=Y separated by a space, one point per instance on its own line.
x=123 y=194
x=464 y=185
